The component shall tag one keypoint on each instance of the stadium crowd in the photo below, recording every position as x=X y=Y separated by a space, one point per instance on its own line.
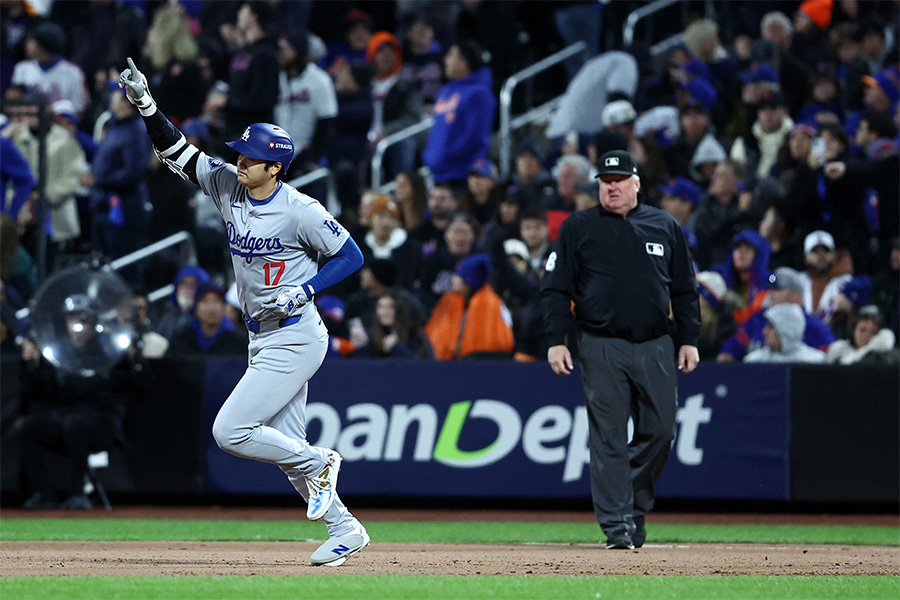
x=769 y=133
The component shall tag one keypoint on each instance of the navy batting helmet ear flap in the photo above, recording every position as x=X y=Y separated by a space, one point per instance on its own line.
x=264 y=141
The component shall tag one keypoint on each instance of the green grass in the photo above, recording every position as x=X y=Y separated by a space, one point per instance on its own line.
x=463 y=533
x=359 y=587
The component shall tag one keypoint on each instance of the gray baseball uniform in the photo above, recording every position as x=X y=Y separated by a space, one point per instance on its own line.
x=274 y=246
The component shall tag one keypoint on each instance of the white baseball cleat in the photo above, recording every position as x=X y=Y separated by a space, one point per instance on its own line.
x=323 y=487
x=335 y=551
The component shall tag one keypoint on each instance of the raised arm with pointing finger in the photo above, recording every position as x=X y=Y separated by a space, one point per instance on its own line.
x=275 y=236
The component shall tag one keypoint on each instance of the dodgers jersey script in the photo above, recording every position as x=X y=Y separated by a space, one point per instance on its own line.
x=274 y=242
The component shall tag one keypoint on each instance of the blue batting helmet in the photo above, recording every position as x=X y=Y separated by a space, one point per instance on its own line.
x=264 y=141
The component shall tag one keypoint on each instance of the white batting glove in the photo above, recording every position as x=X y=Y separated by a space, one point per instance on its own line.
x=289 y=303
x=136 y=89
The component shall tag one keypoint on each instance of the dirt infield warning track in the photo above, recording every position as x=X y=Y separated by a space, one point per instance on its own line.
x=28 y=559
x=291 y=558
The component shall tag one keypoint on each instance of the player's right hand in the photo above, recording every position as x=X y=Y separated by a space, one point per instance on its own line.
x=136 y=89
x=560 y=359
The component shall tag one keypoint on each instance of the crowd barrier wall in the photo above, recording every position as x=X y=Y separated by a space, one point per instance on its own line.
x=495 y=429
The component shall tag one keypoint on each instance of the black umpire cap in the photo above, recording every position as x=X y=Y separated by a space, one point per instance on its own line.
x=616 y=162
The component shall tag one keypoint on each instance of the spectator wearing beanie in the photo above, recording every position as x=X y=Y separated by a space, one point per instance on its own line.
x=397 y=102
x=809 y=42
x=46 y=72
x=388 y=240
x=471 y=321
x=758 y=150
x=853 y=295
x=463 y=116
x=817 y=11
x=680 y=197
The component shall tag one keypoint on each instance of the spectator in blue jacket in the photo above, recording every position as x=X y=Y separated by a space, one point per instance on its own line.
x=463 y=116
x=746 y=271
x=120 y=198
x=180 y=309
x=210 y=332
x=786 y=287
x=14 y=169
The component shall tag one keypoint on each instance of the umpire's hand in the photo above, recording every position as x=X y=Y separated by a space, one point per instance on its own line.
x=560 y=359
x=688 y=357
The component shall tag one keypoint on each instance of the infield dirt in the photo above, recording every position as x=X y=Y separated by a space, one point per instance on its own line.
x=380 y=558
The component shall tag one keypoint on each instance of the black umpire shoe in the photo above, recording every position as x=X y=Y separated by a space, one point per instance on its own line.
x=640 y=532
x=623 y=543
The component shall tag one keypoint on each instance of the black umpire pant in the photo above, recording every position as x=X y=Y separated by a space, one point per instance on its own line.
x=623 y=379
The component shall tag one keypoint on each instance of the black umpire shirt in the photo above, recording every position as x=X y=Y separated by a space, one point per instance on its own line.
x=622 y=273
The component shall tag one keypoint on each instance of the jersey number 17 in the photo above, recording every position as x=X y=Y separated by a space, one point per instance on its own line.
x=278 y=268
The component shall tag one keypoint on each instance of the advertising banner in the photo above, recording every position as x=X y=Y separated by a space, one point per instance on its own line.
x=506 y=429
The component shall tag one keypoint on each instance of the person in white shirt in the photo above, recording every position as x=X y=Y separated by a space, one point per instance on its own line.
x=307 y=103
x=820 y=286
x=46 y=72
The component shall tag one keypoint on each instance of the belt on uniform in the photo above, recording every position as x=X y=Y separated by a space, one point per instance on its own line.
x=263 y=326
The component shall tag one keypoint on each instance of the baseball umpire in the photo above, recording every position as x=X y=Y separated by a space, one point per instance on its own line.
x=623 y=264
x=275 y=234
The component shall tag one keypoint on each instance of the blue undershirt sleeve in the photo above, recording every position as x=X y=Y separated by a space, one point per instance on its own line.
x=347 y=260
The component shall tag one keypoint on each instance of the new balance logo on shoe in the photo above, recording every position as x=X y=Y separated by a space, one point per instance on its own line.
x=340 y=549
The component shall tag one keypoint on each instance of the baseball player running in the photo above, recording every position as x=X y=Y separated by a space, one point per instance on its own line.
x=275 y=234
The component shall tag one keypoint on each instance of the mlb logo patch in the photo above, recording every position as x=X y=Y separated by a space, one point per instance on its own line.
x=612 y=161
x=655 y=249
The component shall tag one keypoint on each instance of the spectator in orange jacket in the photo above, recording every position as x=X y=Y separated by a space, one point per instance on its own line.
x=471 y=321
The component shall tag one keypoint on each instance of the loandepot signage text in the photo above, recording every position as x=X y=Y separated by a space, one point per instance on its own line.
x=550 y=435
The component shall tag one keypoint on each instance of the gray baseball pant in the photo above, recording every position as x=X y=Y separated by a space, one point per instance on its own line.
x=622 y=378
x=264 y=418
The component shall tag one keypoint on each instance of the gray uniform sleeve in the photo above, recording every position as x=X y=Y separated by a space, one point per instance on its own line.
x=217 y=179
x=319 y=230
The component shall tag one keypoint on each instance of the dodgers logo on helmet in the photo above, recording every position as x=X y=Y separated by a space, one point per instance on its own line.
x=264 y=141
